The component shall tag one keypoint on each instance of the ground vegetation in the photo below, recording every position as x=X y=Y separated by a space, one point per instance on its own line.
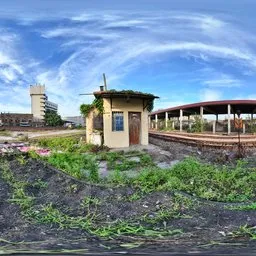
x=133 y=205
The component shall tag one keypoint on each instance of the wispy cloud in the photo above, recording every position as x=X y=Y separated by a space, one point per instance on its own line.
x=87 y=44
x=123 y=47
x=227 y=83
x=10 y=68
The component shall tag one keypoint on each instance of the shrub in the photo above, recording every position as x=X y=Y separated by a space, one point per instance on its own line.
x=77 y=165
x=66 y=145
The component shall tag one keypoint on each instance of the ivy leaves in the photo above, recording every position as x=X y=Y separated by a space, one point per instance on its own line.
x=86 y=108
x=98 y=104
x=150 y=105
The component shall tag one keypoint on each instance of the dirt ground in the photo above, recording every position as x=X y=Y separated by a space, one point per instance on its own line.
x=23 y=134
x=205 y=227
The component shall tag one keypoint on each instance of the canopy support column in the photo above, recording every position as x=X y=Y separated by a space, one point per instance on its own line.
x=202 y=118
x=166 y=120
x=243 y=128
x=181 y=119
x=229 y=125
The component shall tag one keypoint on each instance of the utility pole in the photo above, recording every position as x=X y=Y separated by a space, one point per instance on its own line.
x=105 y=82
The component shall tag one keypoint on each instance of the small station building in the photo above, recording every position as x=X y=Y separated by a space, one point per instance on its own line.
x=124 y=121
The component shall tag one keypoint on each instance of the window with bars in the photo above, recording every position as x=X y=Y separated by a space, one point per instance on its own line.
x=117 y=121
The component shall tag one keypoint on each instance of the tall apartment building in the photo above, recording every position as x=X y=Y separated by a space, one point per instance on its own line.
x=39 y=101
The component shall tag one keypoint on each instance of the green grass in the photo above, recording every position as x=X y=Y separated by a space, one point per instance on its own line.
x=5 y=133
x=80 y=166
x=63 y=144
x=175 y=210
x=211 y=182
x=48 y=214
x=245 y=231
x=21 y=159
x=207 y=181
x=85 y=166
x=19 y=196
x=40 y=184
x=247 y=207
x=90 y=201
x=134 y=197
x=122 y=161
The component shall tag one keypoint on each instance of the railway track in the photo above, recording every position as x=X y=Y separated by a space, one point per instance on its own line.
x=205 y=140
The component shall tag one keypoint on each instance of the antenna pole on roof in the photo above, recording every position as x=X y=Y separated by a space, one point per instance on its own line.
x=105 y=82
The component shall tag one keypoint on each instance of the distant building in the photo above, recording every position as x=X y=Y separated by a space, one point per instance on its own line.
x=14 y=119
x=39 y=102
x=39 y=105
x=76 y=120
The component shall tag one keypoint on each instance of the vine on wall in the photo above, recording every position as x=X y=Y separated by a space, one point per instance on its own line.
x=98 y=102
x=86 y=108
x=150 y=105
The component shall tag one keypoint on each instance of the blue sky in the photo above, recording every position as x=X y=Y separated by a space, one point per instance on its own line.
x=183 y=51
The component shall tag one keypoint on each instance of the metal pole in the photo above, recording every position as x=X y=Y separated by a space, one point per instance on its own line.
x=105 y=82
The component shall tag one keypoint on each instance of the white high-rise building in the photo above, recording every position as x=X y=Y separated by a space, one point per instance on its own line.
x=39 y=102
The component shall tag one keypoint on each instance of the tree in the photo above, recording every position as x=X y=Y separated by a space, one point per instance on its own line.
x=52 y=118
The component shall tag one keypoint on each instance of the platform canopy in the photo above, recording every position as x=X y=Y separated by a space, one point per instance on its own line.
x=209 y=107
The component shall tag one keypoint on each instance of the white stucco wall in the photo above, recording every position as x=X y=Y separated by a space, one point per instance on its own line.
x=116 y=139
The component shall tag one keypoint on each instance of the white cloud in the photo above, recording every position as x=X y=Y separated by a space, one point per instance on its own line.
x=223 y=82
x=214 y=50
x=127 y=23
x=95 y=46
x=92 y=16
x=10 y=68
x=210 y=95
x=213 y=78
x=15 y=99
x=85 y=66
x=228 y=83
x=7 y=74
x=14 y=108
x=79 y=32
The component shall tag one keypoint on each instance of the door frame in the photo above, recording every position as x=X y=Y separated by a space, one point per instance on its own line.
x=140 y=128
